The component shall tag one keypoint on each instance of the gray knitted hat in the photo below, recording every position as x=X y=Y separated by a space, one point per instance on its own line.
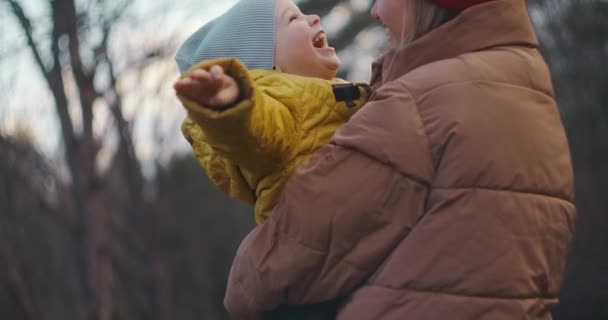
x=246 y=31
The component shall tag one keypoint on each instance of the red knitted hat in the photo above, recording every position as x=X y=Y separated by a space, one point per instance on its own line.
x=458 y=4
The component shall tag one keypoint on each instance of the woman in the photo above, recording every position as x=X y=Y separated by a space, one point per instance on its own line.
x=449 y=195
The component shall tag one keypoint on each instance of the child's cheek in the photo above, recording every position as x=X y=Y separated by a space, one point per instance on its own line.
x=301 y=39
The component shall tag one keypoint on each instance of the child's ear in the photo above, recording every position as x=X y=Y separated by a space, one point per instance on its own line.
x=275 y=68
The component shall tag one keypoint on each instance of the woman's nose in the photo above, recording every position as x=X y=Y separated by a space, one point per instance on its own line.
x=314 y=19
x=375 y=12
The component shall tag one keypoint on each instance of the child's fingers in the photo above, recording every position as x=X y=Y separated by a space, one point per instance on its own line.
x=183 y=83
x=222 y=79
x=201 y=75
x=190 y=83
x=217 y=72
x=211 y=88
x=212 y=79
x=188 y=88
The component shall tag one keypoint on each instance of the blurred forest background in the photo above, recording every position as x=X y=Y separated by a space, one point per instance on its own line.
x=105 y=215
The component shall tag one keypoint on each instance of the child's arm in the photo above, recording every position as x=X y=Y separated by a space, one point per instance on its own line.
x=250 y=128
x=225 y=174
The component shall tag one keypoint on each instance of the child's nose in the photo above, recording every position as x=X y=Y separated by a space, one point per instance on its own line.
x=314 y=19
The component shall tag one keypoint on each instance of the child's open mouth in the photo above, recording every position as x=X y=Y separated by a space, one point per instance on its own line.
x=320 y=41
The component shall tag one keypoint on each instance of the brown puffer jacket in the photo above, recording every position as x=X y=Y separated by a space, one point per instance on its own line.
x=448 y=196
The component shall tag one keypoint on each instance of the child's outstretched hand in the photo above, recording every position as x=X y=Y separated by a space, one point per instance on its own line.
x=213 y=89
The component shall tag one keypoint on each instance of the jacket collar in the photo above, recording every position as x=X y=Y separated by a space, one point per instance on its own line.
x=493 y=24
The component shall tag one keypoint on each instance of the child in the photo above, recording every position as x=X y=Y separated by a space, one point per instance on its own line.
x=252 y=119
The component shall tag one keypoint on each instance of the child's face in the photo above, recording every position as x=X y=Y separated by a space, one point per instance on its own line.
x=301 y=46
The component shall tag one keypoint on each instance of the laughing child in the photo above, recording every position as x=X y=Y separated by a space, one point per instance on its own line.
x=261 y=94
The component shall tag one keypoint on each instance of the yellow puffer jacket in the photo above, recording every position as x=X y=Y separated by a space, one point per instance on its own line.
x=250 y=149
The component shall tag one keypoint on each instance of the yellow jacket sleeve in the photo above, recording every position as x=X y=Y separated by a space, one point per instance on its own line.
x=256 y=134
x=225 y=174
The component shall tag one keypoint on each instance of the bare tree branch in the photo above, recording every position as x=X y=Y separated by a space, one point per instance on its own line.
x=66 y=20
x=54 y=79
x=26 y=26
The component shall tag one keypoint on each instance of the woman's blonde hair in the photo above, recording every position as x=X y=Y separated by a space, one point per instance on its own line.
x=426 y=17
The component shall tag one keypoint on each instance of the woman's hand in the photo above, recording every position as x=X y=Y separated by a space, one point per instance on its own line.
x=213 y=89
